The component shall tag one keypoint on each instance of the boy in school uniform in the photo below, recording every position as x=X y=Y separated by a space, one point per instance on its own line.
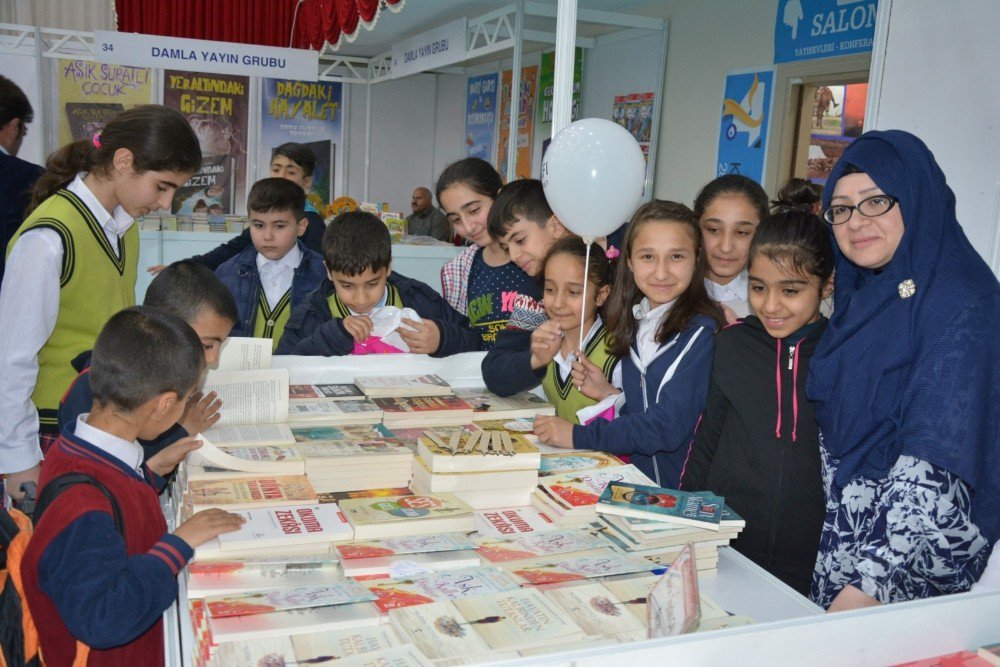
x=357 y=252
x=86 y=582
x=193 y=293
x=272 y=279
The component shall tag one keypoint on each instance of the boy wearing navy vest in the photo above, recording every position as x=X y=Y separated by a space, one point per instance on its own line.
x=271 y=280
x=193 y=293
x=357 y=251
x=90 y=588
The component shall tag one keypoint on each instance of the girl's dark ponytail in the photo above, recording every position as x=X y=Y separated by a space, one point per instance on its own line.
x=159 y=138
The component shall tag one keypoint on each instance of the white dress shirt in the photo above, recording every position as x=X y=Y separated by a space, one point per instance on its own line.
x=649 y=324
x=129 y=453
x=29 y=307
x=735 y=294
x=564 y=365
x=276 y=275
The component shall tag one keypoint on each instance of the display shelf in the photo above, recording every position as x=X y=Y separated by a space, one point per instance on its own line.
x=420 y=262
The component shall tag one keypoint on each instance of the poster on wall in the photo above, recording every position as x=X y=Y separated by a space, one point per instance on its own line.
x=306 y=113
x=480 y=116
x=634 y=112
x=525 y=122
x=808 y=29
x=546 y=84
x=90 y=94
x=217 y=107
x=746 y=115
x=837 y=119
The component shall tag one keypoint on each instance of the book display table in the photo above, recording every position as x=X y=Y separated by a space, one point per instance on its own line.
x=788 y=629
x=420 y=262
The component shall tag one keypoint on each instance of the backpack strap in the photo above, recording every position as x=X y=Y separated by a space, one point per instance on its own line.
x=59 y=485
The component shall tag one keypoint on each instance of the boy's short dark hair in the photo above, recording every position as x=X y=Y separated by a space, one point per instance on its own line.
x=186 y=288
x=277 y=194
x=14 y=103
x=300 y=154
x=523 y=198
x=141 y=353
x=356 y=241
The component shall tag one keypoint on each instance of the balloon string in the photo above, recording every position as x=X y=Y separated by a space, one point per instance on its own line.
x=583 y=306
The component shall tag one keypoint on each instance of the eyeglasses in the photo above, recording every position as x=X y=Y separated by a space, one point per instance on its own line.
x=872 y=207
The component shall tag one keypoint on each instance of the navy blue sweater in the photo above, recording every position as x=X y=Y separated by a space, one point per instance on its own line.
x=663 y=405
x=313 y=330
x=313 y=239
x=240 y=275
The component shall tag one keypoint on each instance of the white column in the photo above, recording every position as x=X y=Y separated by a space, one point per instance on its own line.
x=562 y=95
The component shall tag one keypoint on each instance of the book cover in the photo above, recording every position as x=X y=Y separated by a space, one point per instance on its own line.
x=470 y=456
x=288 y=525
x=488 y=406
x=347 y=591
x=202 y=585
x=378 y=517
x=89 y=118
x=524 y=426
x=256 y=652
x=431 y=405
x=406 y=565
x=439 y=631
x=348 y=451
x=517 y=619
x=337 y=496
x=582 y=489
x=251 y=397
x=355 y=412
x=251 y=492
x=633 y=590
x=571 y=567
x=512 y=521
x=416 y=544
x=595 y=609
x=406 y=655
x=673 y=605
x=272 y=460
x=294 y=621
x=576 y=461
x=248 y=435
x=311 y=648
x=476 y=480
x=427 y=587
x=402 y=386
x=702 y=510
x=324 y=392
x=537 y=545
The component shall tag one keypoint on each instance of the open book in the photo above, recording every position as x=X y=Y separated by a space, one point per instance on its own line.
x=254 y=407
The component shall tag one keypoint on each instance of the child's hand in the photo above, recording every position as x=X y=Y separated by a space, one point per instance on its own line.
x=731 y=316
x=426 y=339
x=545 y=343
x=359 y=326
x=554 y=431
x=590 y=380
x=165 y=460
x=201 y=412
x=207 y=525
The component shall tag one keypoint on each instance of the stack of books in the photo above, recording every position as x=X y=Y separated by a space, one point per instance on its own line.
x=376 y=518
x=487 y=406
x=350 y=458
x=571 y=497
x=397 y=555
x=486 y=469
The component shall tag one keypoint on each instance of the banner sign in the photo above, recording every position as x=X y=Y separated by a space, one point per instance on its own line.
x=202 y=55
x=481 y=116
x=525 y=122
x=746 y=114
x=217 y=107
x=807 y=29
x=91 y=94
x=306 y=113
x=546 y=82
x=439 y=47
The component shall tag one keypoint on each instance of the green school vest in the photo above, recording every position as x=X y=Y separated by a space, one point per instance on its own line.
x=270 y=323
x=94 y=284
x=564 y=394
x=340 y=311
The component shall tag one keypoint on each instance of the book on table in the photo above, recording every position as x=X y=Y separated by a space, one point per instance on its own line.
x=282 y=526
x=305 y=649
x=345 y=591
x=254 y=407
x=395 y=566
x=403 y=412
x=701 y=509
x=294 y=621
x=205 y=585
x=603 y=562
x=402 y=386
x=575 y=494
x=443 y=482
x=400 y=546
x=488 y=406
x=251 y=492
x=426 y=587
x=512 y=521
x=481 y=451
x=597 y=610
x=537 y=545
x=321 y=393
x=374 y=518
x=334 y=412
x=576 y=461
x=244 y=354
x=266 y=459
x=673 y=603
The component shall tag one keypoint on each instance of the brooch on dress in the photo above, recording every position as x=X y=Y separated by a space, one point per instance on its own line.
x=907 y=288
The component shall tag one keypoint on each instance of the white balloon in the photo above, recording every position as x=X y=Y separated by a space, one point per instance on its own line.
x=593 y=174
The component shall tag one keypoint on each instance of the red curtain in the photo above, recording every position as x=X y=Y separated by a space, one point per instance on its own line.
x=265 y=22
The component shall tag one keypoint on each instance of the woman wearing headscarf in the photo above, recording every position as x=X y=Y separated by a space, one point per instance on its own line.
x=906 y=382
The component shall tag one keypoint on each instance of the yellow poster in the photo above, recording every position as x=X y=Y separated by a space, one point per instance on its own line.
x=90 y=94
x=525 y=121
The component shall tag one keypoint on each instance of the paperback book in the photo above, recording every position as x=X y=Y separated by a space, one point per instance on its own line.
x=701 y=510
x=402 y=386
x=397 y=546
x=320 y=393
x=251 y=492
x=428 y=587
x=293 y=622
x=312 y=648
x=512 y=521
x=596 y=610
x=267 y=460
x=488 y=406
x=572 y=567
x=538 y=545
x=517 y=619
x=402 y=412
x=673 y=605
x=334 y=412
x=476 y=452
x=576 y=461
x=407 y=515
x=280 y=526
x=580 y=491
x=347 y=591
x=407 y=565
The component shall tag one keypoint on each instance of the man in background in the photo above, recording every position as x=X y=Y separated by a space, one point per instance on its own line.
x=17 y=176
x=426 y=219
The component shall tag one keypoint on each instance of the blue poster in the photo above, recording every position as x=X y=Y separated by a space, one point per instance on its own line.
x=309 y=113
x=746 y=114
x=480 y=116
x=807 y=29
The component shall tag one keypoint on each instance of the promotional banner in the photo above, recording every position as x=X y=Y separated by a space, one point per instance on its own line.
x=746 y=114
x=481 y=116
x=217 y=107
x=306 y=113
x=90 y=94
x=807 y=29
x=546 y=81
x=442 y=46
x=525 y=122
x=634 y=112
